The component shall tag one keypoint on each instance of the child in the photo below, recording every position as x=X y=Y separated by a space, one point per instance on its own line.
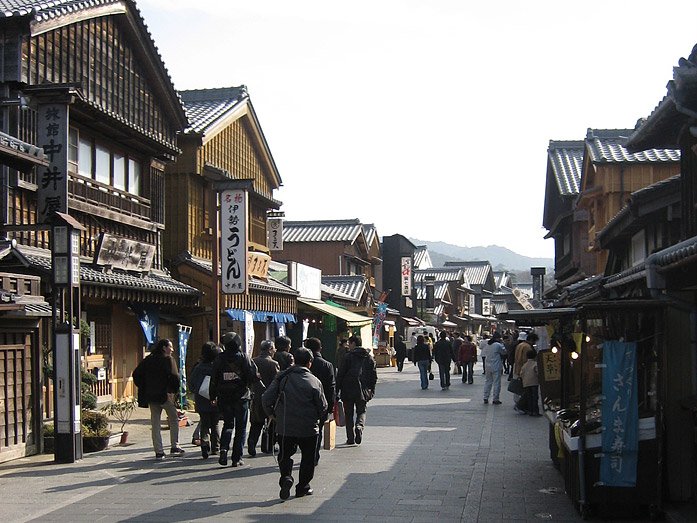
x=529 y=403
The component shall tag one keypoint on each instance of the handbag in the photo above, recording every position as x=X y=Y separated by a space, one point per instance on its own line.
x=516 y=386
x=339 y=414
x=431 y=376
x=204 y=389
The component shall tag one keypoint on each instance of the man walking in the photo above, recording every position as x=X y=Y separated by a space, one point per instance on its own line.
x=296 y=400
x=324 y=371
x=233 y=375
x=400 y=352
x=493 y=352
x=268 y=368
x=443 y=354
x=468 y=357
x=355 y=384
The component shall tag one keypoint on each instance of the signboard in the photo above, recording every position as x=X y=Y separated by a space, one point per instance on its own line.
x=274 y=234
x=258 y=264
x=380 y=312
x=551 y=366
x=249 y=332
x=522 y=299
x=52 y=136
x=306 y=280
x=486 y=307
x=472 y=303
x=125 y=254
x=406 y=275
x=233 y=251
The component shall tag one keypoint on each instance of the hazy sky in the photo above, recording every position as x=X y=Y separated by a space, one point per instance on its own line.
x=427 y=118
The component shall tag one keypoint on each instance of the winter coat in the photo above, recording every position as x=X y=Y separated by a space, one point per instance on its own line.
x=521 y=356
x=155 y=376
x=422 y=353
x=494 y=352
x=324 y=371
x=233 y=375
x=296 y=400
x=443 y=352
x=284 y=358
x=528 y=373
x=268 y=369
x=468 y=352
x=357 y=376
x=401 y=350
x=198 y=374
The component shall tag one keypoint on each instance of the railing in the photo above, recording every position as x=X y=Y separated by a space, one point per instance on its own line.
x=91 y=191
x=101 y=388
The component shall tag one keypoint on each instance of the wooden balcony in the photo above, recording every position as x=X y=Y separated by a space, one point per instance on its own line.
x=106 y=197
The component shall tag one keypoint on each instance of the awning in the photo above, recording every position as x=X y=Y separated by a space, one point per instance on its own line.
x=351 y=318
x=447 y=323
x=263 y=316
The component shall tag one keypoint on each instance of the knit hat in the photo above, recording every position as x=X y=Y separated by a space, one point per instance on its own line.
x=231 y=340
x=522 y=336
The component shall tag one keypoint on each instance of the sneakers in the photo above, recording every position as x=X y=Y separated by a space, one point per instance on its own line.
x=159 y=456
x=223 y=458
x=359 y=436
x=238 y=463
x=176 y=451
x=496 y=402
x=303 y=491
x=286 y=482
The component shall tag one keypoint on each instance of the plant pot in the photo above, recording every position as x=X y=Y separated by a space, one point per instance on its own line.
x=124 y=438
x=94 y=443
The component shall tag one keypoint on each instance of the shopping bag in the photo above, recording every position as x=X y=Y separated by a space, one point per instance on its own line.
x=339 y=414
x=516 y=386
x=204 y=389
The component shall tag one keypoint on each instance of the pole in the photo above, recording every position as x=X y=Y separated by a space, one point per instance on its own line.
x=215 y=280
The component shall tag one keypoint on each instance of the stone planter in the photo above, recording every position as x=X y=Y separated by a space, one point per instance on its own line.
x=95 y=443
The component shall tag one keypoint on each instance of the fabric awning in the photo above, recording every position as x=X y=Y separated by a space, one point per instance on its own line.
x=263 y=316
x=351 y=318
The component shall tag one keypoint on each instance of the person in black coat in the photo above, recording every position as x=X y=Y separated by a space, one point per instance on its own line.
x=355 y=384
x=157 y=379
x=401 y=352
x=324 y=371
x=443 y=354
x=209 y=428
x=268 y=369
x=283 y=355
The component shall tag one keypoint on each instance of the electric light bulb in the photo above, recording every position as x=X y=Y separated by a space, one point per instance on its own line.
x=574 y=355
x=554 y=350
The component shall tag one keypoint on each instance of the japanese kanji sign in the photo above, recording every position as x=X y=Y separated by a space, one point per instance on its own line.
x=406 y=276
x=52 y=135
x=274 y=234
x=233 y=250
x=551 y=366
x=620 y=411
x=123 y=253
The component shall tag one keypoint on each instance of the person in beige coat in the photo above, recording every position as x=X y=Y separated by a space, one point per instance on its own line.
x=529 y=401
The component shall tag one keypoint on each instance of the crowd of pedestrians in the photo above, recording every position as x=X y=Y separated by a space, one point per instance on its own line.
x=286 y=395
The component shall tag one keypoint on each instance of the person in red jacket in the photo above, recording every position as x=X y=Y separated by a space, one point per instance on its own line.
x=467 y=357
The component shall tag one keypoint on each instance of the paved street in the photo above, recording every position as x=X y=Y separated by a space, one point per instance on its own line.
x=426 y=456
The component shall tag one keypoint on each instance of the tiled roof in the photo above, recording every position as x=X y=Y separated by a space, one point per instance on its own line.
x=439 y=290
x=439 y=274
x=353 y=286
x=608 y=145
x=370 y=233
x=566 y=158
x=422 y=260
x=268 y=285
x=477 y=272
x=334 y=294
x=322 y=231
x=205 y=106
x=93 y=275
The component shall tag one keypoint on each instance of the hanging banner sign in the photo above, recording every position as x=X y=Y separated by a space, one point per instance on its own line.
x=233 y=250
x=274 y=234
x=184 y=334
x=551 y=366
x=380 y=313
x=620 y=415
x=52 y=135
x=249 y=332
x=406 y=276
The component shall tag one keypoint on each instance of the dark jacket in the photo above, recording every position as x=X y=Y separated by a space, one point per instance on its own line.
x=357 y=376
x=443 y=352
x=155 y=376
x=198 y=374
x=324 y=371
x=268 y=369
x=233 y=375
x=284 y=358
x=421 y=353
x=468 y=352
x=296 y=399
x=401 y=350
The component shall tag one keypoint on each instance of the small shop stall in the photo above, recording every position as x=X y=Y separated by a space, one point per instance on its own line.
x=599 y=383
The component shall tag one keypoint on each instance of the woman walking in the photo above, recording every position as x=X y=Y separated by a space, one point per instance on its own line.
x=422 y=359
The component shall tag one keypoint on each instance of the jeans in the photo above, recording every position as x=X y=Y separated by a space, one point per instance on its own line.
x=210 y=430
x=492 y=378
x=235 y=415
x=360 y=408
x=468 y=372
x=155 y=431
x=444 y=374
x=288 y=446
x=423 y=372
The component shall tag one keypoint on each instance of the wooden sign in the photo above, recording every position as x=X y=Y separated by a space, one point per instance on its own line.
x=122 y=253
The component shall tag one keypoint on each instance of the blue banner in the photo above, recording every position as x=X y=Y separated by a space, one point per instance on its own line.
x=380 y=312
x=184 y=333
x=620 y=411
x=149 y=319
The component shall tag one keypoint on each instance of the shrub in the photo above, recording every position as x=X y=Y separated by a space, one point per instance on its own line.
x=95 y=423
x=121 y=410
x=49 y=430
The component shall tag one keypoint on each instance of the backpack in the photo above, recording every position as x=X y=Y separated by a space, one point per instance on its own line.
x=232 y=384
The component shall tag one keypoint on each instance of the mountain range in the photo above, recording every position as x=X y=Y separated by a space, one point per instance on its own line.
x=500 y=258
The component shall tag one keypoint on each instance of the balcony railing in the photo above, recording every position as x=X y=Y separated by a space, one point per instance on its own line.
x=92 y=192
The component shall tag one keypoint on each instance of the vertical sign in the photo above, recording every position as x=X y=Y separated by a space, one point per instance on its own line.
x=249 y=332
x=274 y=234
x=184 y=334
x=406 y=275
x=380 y=312
x=486 y=307
x=620 y=415
x=471 y=304
x=52 y=135
x=233 y=232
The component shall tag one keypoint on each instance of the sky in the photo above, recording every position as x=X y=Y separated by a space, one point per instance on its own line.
x=432 y=118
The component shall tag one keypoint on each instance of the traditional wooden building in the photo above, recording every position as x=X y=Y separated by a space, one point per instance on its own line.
x=224 y=142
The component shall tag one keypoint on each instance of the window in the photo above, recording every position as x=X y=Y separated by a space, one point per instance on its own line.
x=638 y=248
x=135 y=173
x=120 y=171
x=73 y=149
x=85 y=157
x=102 y=164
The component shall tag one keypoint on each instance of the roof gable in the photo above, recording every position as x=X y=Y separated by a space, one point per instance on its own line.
x=351 y=286
x=609 y=146
x=566 y=164
x=347 y=231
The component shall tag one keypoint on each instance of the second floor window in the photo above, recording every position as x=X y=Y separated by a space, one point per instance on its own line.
x=107 y=165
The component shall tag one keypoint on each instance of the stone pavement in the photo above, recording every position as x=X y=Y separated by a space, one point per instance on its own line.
x=426 y=456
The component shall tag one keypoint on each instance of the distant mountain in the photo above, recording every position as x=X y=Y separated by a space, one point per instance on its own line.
x=499 y=257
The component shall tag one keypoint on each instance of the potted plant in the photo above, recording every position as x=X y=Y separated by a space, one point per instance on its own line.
x=122 y=410
x=95 y=431
x=49 y=434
